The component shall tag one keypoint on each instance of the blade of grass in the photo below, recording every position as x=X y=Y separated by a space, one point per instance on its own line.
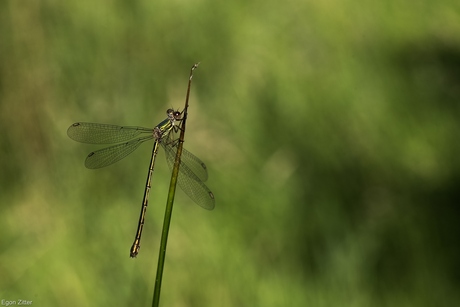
x=170 y=200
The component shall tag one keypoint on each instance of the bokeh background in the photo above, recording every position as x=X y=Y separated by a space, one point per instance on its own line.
x=330 y=130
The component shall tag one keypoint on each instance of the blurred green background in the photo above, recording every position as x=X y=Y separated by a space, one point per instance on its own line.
x=330 y=130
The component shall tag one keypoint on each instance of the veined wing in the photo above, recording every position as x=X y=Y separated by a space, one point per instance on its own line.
x=92 y=133
x=104 y=157
x=188 y=180
x=194 y=164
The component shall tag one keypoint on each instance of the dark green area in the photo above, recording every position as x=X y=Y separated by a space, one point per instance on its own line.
x=330 y=131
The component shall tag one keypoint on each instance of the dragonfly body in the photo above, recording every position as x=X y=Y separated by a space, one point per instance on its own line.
x=192 y=171
x=158 y=132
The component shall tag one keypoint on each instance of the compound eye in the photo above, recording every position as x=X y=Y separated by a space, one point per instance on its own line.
x=177 y=114
x=170 y=111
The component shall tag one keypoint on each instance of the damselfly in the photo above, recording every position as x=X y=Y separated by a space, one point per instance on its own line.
x=192 y=171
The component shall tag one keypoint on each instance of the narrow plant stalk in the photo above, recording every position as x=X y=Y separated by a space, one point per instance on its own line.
x=170 y=200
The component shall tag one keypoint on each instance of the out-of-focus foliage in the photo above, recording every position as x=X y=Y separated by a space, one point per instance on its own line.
x=330 y=130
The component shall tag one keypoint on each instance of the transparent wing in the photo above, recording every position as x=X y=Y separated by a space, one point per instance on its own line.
x=189 y=181
x=92 y=133
x=112 y=154
x=195 y=165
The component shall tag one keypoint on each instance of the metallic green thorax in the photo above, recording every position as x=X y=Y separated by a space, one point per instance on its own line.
x=162 y=129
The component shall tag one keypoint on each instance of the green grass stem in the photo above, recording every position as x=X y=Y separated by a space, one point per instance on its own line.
x=170 y=200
